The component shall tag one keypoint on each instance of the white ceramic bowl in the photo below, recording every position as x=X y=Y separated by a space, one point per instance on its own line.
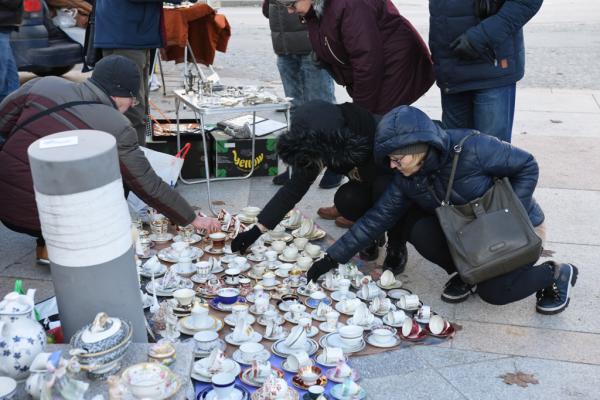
x=351 y=334
x=184 y=296
x=146 y=380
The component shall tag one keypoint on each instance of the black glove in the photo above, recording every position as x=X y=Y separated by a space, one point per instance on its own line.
x=245 y=239
x=320 y=267
x=462 y=48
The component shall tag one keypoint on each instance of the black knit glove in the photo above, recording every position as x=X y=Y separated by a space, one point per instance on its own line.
x=462 y=48
x=245 y=239
x=321 y=267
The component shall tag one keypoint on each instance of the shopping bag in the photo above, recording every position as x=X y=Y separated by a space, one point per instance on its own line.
x=166 y=166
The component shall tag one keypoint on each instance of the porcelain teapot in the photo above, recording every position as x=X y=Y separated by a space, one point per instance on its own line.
x=22 y=338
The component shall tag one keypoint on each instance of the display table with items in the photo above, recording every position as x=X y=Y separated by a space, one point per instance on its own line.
x=225 y=326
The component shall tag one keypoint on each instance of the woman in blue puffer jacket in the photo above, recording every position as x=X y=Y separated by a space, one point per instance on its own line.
x=411 y=143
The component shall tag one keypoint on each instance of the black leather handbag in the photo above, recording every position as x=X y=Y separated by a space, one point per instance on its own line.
x=489 y=236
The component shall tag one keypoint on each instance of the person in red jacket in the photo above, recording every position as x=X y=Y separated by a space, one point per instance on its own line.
x=369 y=48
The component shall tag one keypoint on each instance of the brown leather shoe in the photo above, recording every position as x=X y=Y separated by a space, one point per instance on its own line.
x=343 y=222
x=41 y=255
x=328 y=212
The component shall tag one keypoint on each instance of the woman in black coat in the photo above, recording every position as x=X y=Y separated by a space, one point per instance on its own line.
x=421 y=152
x=339 y=137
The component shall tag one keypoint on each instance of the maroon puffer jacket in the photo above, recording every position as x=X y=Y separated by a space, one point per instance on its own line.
x=372 y=50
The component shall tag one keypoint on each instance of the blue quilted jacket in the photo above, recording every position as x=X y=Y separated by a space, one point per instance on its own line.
x=483 y=158
x=498 y=38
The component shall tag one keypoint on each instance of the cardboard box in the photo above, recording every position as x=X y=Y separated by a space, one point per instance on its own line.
x=232 y=156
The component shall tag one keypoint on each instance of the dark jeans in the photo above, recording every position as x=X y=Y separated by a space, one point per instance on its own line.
x=423 y=231
x=490 y=111
x=36 y=234
x=353 y=199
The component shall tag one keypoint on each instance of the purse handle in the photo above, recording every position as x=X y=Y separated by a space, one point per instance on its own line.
x=457 y=150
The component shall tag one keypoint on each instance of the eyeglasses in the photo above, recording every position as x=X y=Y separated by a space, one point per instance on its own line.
x=287 y=3
x=134 y=102
x=397 y=160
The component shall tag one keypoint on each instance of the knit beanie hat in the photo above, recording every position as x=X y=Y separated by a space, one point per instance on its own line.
x=415 y=148
x=118 y=76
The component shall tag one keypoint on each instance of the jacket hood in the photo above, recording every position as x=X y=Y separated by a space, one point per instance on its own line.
x=406 y=125
x=319 y=7
x=338 y=136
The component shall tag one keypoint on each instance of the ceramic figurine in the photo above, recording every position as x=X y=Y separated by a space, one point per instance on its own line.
x=22 y=338
x=60 y=383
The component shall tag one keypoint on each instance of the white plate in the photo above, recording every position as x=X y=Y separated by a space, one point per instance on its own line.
x=376 y=323
x=328 y=329
x=321 y=254
x=392 y=343
x=262 y=356
x=280 y=349
x=284 y=333
x=194 y=239
x=339 y=296
x=252 y=257
x=396 y=285
x=160 y=239
x=146 y=274
x=201 y=374
x=185 y=284
x=256 y=337
x=338 y=308
x=191 y=332
x=168 y=255
x=230 y=319
x=334 y=340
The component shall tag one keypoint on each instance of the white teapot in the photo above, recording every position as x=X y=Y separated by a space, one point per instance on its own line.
x=22 y=338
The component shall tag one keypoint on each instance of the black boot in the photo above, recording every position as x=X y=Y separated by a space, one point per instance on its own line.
x=370 y=253
x=395 y=257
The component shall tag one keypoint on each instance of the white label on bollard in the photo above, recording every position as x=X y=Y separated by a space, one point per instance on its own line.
x=58 y=142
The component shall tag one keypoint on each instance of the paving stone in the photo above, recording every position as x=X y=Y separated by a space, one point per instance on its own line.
x=390 y=363
x=14 y=246
x=531 y=342
x=558 y=380
x=439 y=357
x=539 y=123
x=424 y=384
x=44 y=288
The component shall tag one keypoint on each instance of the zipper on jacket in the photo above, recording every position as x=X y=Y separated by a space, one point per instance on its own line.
x=332 y=53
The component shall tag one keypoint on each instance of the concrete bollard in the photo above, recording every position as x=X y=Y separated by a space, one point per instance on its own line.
x=87 y=227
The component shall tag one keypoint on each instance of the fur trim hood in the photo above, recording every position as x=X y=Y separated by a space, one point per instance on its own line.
x=319 y=7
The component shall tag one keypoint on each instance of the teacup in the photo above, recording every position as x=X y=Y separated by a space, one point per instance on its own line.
x=205 y=341
x=258 y=251
x=383 y=335
x=185 y=267
x=351 y=335
x=277 y=233
x=203 y=268
x=318 y=296
x=269 y=279
x=285 y=268
x=438 y=325
x=278 y=246
x=396 y=316
x=261 y=369
x=239 y=263
x=424 y=313
x=231 y=276
x=411 y=328
x=258 y=290
x=218 y=240
x=315 y=391
x=239 y=310
x=250 y=350
x=227 y=295
x=184 y=296
x=309 y=374
x=333 y=354
x=152 y=265
x=223 y=384
x=304 y=262
x=350 y=388
x=295 y=275
x=259 y=270
x=312 y=250
x=179 y=247
x=300 y=243
x=343 y=285
x=272 y=254
x=291 y=253
x=299 y=359
x=409 y=302
x=332 y=318
x=250 y=211
x=261 y=304
x=297 y=309
x=369 y=291
x=270 y=315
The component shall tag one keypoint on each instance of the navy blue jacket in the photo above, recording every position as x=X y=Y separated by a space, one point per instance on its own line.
x=128 y=24
x=483 y=158
x=498 y=38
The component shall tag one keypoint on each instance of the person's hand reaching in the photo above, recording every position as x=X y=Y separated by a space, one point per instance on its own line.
x=207 y=224
x=321 y=267
x=245 y=239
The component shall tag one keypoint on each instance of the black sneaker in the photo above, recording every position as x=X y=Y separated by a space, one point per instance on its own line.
x=282 y=178
x=456 y=291
x=330 y=180
x=369 y=253
x=555 y=298
x=395 y=257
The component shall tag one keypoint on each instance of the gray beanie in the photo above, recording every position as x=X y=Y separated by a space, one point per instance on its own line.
x=415 y=148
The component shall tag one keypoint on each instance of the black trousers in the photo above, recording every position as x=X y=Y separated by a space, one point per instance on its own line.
x=354 y=198
x=423 y=231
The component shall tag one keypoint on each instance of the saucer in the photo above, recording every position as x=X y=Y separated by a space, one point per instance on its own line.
x=255 y=337
x=284 y=333
x=363 y=298
x=325 y=286
x=324 y=326
x=187 y=330
x=312 y=332
x=184 y=283
x=339 y=296
x=250 y=297
x=147 y=274
x=279 y=348
x=299 y=383
x=252 y=309
x=423 y=321
x=287 y=260
x=321 y=254
x=282 y=273
x=222 y=306
x=199 y=279
x=225 y=250
x=373 y=325
x=149 y=254
x=268 y=239
x=444 y=335
x=270 y=287
x=239 y=393
x=302 y=291
x=228 y=258
x=284 y=305
x=247 y=378
x=338 y=390
x=417 y=338
x=384 y=313
x=330 y=374
x=319 y=359
x=203 y=354
x=286 y=224
x=230 y=319
x=278 y=320
x=200 y=369
x=169 y=256
x=315 y=235
x=301 y=281
x=254 y=258
x=262 y=356
x=160 y=239
x=193 y=240
x=313 y=315
x=397 y=293
x=287 y=368
x=250 y=274
x=387 y=322
x=176 y=267
x=395 y=341
x=288 y=316
x=335 y=340
x=396 y=285
x=244 y=219
x=342 y=310
x=312 y=303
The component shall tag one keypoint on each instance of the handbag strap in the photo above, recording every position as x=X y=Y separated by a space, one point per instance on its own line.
x=52 y=110
x=457 y=149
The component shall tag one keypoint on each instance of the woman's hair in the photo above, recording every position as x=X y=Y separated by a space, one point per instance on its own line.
x=417 y=159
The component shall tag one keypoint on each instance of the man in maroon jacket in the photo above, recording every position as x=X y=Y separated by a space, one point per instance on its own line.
x=49 y=105
x=370 y=48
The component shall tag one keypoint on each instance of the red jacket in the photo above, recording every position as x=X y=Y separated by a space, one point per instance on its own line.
x=372 y=50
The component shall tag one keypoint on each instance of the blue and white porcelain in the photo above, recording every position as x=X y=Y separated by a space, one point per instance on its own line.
x=101 y=345
x=22 y=338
